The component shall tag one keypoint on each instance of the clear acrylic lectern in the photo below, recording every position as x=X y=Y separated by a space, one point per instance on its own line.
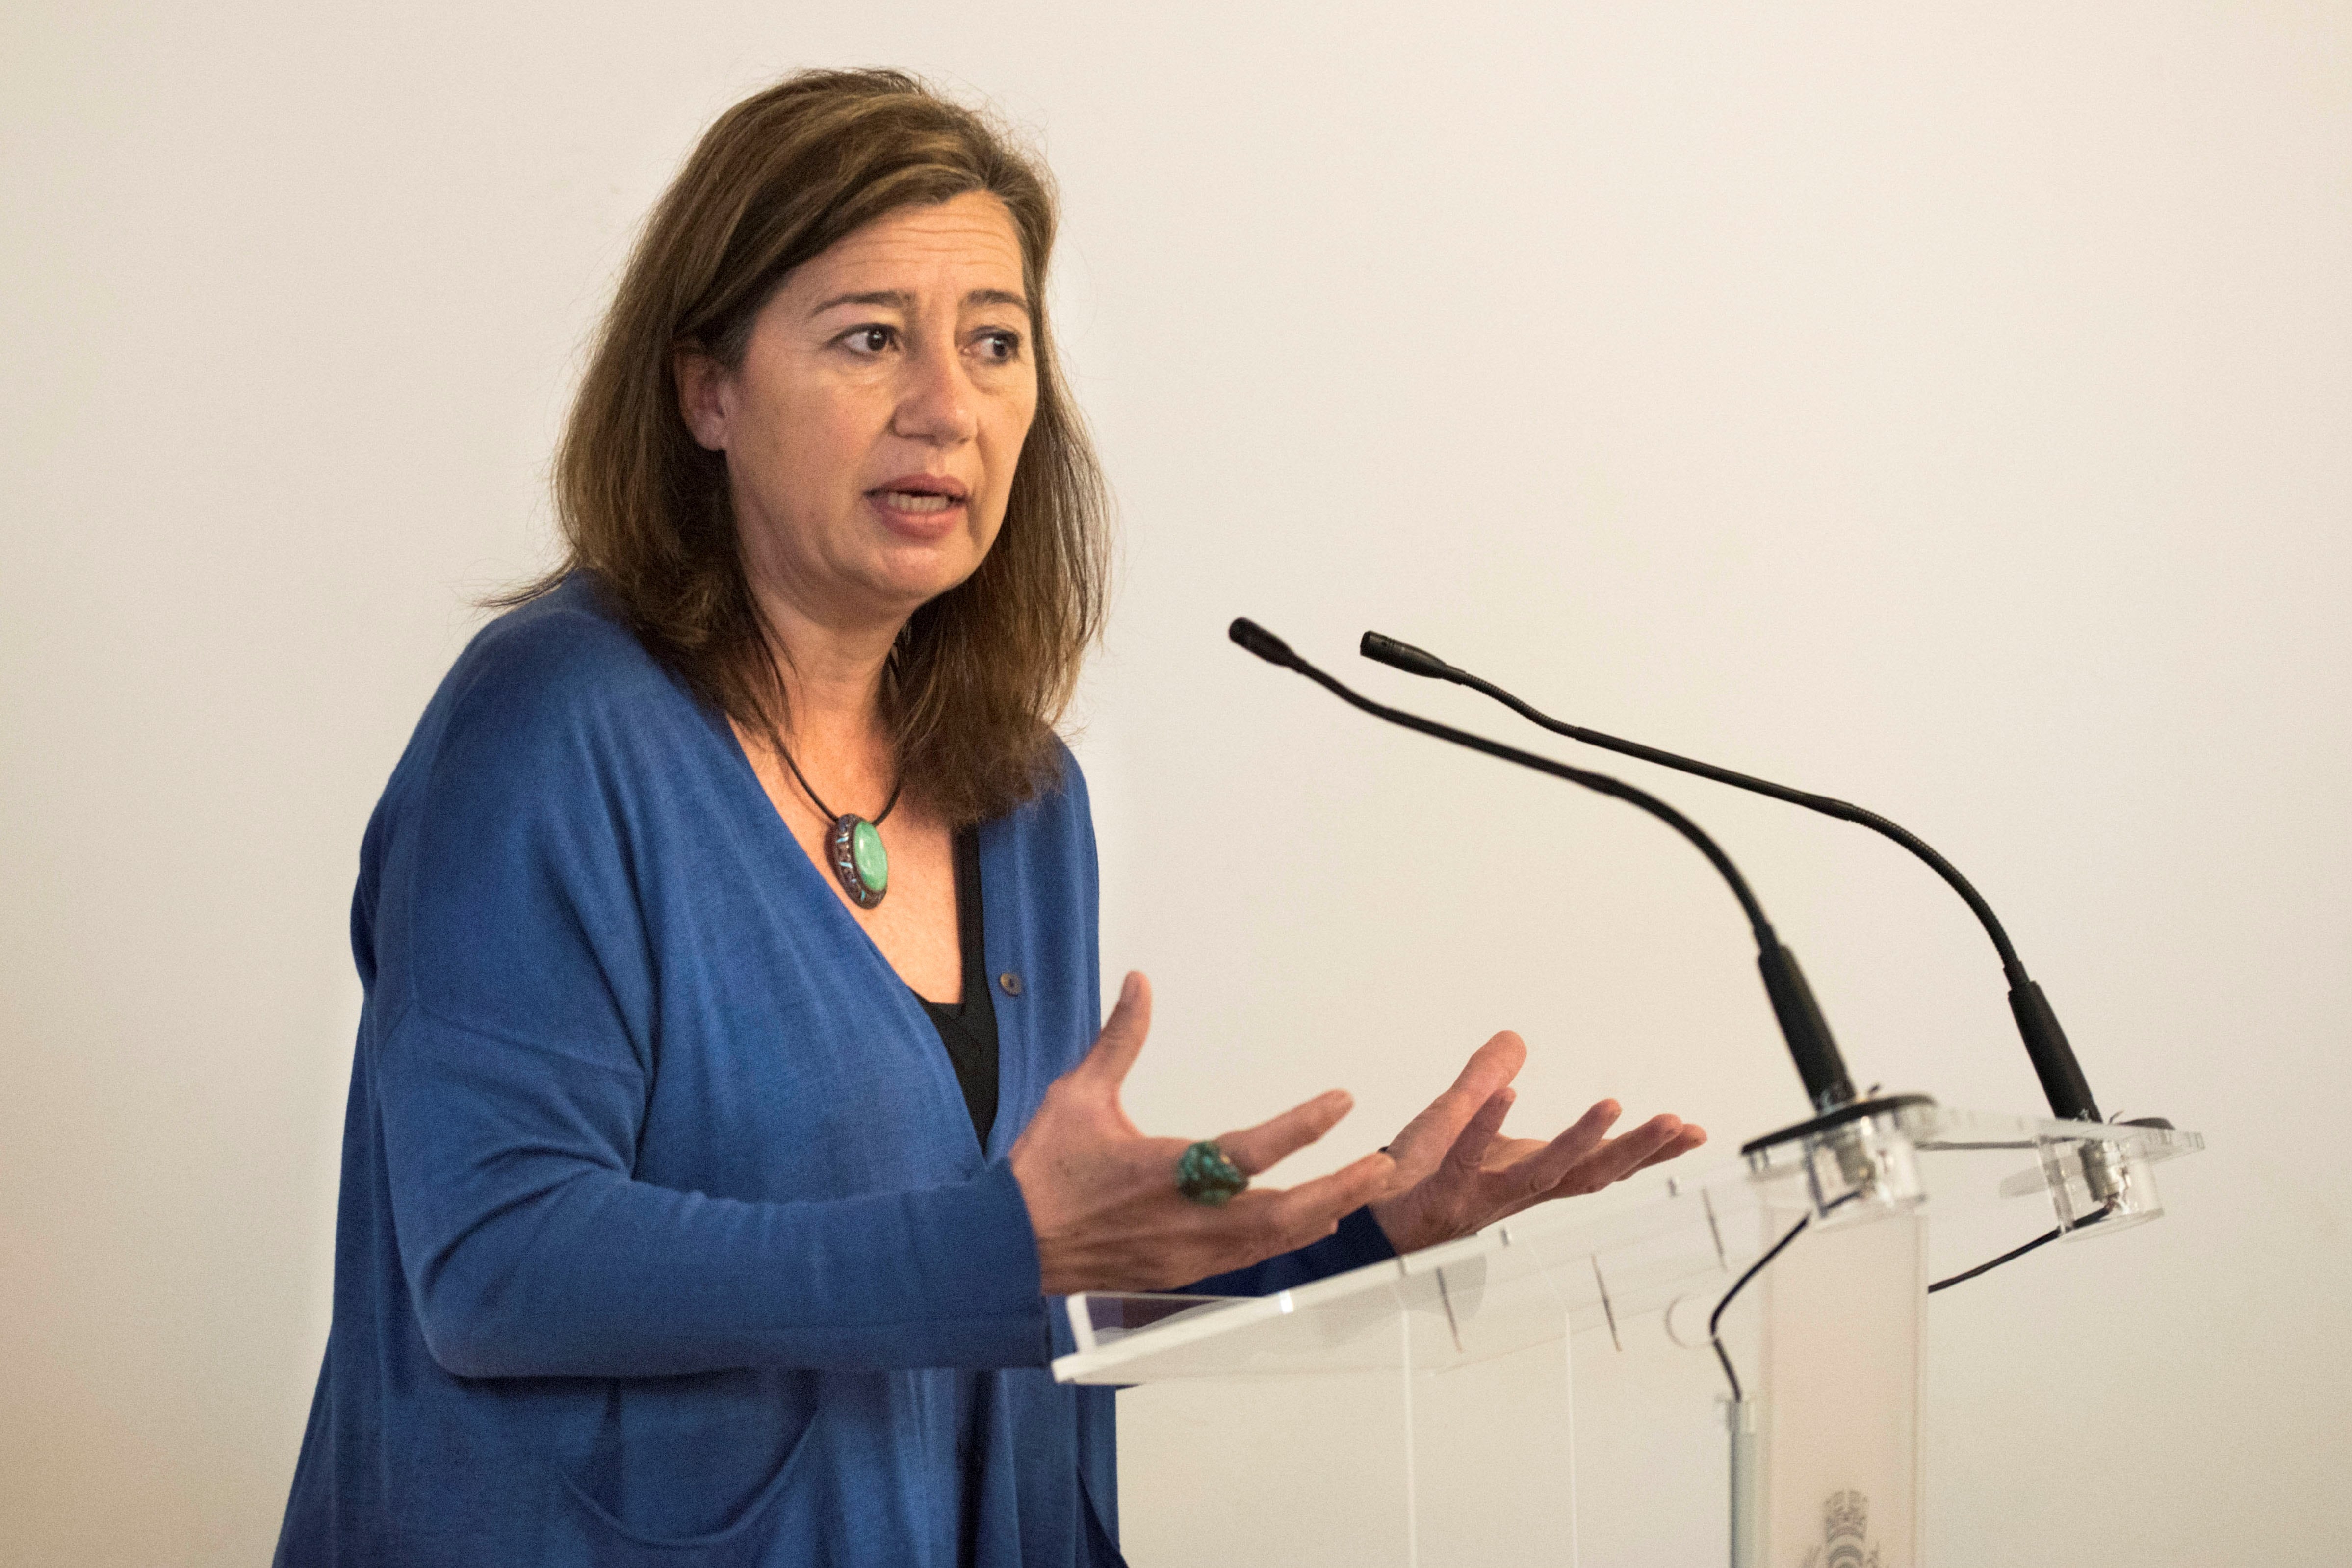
x=1512 y=1397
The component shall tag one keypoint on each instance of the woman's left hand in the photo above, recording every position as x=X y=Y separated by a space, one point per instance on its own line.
x=1455 y=1174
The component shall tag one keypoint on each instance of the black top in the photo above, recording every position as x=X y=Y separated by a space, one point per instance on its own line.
x=968 y=1028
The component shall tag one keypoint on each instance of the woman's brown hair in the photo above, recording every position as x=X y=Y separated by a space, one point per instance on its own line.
x=981 y=673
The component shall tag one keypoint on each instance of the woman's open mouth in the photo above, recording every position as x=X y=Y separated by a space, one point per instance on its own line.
x=922 y=507
x=917 y=500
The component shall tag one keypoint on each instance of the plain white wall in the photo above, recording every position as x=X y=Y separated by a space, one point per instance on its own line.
x=1946 y=407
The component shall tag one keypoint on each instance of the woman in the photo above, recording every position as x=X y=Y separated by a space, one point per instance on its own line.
x=725 y=1109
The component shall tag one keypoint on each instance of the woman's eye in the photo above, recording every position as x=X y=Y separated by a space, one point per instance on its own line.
x=867 y=340
x=1000 y=347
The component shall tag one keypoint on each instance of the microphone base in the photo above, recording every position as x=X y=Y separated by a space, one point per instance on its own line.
x=1858 y=1161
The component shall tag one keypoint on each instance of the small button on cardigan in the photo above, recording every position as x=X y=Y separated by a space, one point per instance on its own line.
x=664 y=1238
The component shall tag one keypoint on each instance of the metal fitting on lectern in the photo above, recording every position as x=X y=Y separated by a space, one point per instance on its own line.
x=2104 y=1181
x=1858 y=1161
x=1866 y=1167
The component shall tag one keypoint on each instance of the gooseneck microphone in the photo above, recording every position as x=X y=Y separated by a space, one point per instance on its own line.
x=2045 y=1042
x=1811 y=1046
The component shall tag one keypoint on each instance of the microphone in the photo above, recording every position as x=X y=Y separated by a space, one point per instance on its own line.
x=1264 y=644
x=2045 y=1041
x=1807 y=1032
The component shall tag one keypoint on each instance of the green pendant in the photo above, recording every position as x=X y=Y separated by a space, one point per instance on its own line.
x=859 y=861
x=873 y=860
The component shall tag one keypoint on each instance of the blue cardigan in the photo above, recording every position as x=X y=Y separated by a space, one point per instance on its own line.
x=664 y=1235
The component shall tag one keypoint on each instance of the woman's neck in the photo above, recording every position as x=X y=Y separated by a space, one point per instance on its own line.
x=832 y=667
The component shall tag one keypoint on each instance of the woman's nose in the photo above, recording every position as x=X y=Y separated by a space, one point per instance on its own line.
x=935 y=404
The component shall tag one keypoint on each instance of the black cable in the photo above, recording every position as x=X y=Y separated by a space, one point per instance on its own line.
x=1714 y=1317
x=2014 y=1253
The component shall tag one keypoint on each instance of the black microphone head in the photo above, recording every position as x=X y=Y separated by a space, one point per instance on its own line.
x=1262 y=643
x=1404 y=656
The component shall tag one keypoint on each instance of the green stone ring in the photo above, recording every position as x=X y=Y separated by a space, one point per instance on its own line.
x=859 y=861
x=1205 y=1175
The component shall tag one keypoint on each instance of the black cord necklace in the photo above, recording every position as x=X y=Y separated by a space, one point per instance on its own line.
x=854 y=844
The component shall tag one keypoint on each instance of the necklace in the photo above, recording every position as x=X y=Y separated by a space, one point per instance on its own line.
x=858 y=859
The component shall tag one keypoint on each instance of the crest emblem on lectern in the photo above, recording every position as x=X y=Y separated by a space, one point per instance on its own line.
x=1845 y=1533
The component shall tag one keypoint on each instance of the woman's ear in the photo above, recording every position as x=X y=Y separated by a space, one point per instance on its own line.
x=702 y=400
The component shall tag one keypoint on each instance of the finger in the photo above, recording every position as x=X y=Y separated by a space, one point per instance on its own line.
x=1544 y=1171
x=1626 y=1154
x=1427 y=1137
x=1689 y=1138
x=1308 y=1211
x=1259 y=1148
x=1121 y=1040
x=1465 y=1160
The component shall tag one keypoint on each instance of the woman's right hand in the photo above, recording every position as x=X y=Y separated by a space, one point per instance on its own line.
x=1102 y=1195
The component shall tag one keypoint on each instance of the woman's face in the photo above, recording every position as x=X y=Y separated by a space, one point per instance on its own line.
x=872 y=428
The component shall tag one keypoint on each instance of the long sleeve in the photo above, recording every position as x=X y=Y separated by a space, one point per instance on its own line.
x=530 y=1250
